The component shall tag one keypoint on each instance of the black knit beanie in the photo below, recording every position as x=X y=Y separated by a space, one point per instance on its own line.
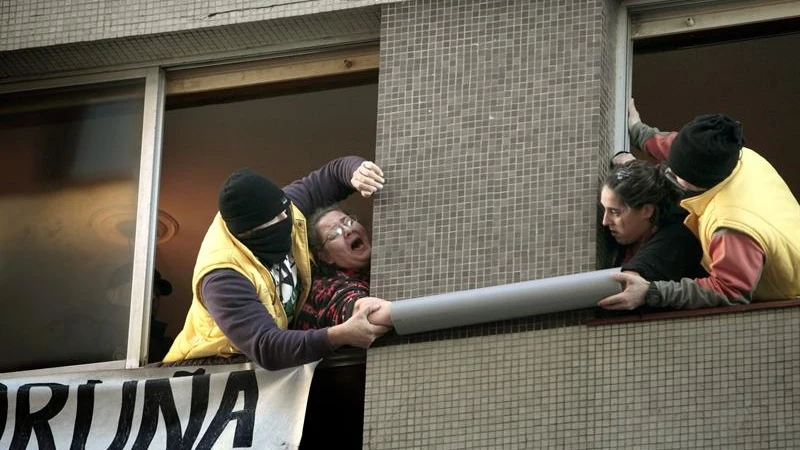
x=247 y=200
x=706 y=150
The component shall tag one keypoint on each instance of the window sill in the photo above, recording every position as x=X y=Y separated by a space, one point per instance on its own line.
x=635 y=317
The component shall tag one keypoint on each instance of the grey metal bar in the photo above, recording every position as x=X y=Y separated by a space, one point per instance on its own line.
x=509 y=301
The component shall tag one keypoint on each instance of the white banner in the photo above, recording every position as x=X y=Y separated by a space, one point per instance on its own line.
x=209 y=407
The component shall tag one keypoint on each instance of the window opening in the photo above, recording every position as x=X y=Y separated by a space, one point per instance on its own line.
x=283 y=128
x=69 y=161
x=747 y=72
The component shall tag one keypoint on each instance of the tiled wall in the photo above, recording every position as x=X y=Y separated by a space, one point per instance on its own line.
x=488 y=128
x=40 y=23
x=23 y=58
x=495 y=125
x=714 y=382
x=607 y=124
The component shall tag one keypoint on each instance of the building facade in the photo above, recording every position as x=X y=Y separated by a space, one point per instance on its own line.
x=495 y=121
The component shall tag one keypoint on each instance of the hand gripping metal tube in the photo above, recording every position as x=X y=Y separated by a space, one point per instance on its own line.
x=508 y=301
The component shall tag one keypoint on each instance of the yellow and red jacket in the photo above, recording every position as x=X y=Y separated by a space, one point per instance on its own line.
x=754 y=200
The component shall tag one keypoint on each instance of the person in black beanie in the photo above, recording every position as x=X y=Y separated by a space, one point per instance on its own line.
x=253 y=272
x=744 y=214
x=254 y=209
x=706 y=151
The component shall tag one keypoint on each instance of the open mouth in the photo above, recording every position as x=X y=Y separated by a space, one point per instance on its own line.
x=357 y=244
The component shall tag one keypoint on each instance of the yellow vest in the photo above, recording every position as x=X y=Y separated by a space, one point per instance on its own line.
x=201 y=337
x=754 y=200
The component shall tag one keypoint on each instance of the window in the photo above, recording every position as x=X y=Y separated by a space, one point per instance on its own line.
x=282 y=118
x=86 y=219
x=71 y=160
x=742 y=62
x=683 y=59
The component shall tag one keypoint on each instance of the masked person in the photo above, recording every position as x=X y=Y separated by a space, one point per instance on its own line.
x=253 y=272
x=739 y=207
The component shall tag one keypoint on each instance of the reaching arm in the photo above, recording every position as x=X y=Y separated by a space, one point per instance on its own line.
x=324 y=186
x=652 y=141
x=647 y=139
x=736 y=265
x=233 y=303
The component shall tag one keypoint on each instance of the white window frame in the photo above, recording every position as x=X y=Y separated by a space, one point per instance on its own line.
x=146 y=217
x=146 y=211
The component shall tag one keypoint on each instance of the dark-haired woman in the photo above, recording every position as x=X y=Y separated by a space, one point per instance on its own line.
x=641 y=212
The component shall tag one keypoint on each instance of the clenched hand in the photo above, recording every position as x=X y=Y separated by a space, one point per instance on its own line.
x=367 y=179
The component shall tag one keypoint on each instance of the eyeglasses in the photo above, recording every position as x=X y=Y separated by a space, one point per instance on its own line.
x=338 y=230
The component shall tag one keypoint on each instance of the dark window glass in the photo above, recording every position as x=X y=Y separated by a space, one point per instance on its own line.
x=69 y=160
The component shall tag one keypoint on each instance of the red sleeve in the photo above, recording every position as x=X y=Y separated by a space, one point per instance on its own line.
x=736 y=264
x=658 y=145
x=332 y=299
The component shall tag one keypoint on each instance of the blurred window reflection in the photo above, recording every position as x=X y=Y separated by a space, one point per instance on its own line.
x=69 y=162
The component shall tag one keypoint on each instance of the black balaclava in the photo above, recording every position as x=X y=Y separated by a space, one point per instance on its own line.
x=247 y=200
x=706 y=150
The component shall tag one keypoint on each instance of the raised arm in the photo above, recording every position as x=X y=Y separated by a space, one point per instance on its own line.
x=648 y=139
x=234 y=304
x=334 y=182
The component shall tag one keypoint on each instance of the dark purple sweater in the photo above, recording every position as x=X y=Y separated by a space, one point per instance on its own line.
x=232 y=301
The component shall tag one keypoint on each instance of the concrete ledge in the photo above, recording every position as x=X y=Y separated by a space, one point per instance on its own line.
x=678 y=314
